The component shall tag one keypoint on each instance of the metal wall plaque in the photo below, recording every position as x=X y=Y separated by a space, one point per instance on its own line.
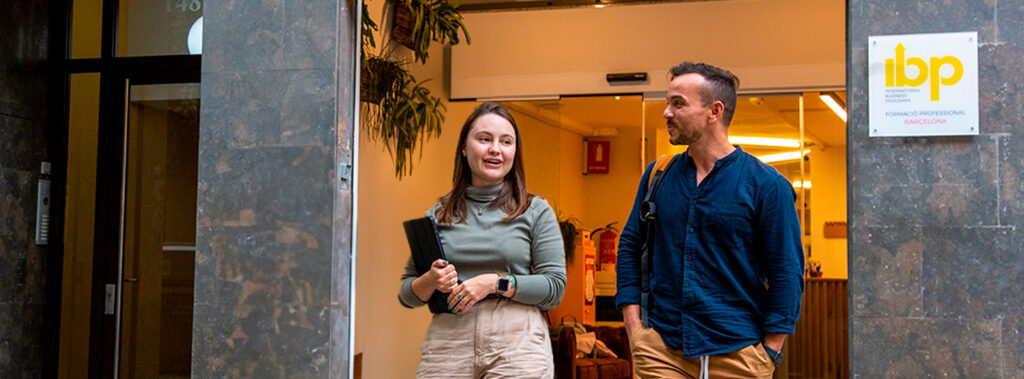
x=923 y=84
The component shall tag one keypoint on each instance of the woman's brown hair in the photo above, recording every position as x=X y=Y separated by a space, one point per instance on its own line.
x=513 y=198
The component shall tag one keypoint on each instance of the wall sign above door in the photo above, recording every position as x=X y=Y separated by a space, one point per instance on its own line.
x=598 y=157
x=923 y=85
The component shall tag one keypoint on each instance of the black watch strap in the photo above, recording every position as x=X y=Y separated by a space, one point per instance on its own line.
x=776 y=356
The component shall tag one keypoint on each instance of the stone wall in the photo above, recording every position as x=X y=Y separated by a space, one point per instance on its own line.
x=936 y=260
x=273 y=227
x=23 y=145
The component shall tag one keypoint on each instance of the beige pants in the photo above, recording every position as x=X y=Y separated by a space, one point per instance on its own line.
x=497 y=338
x=652 y=359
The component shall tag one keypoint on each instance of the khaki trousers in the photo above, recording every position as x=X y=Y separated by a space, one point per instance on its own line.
x=652 y=359
x=497 y=338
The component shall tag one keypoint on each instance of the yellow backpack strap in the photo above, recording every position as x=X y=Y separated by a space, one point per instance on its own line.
x=658 y=166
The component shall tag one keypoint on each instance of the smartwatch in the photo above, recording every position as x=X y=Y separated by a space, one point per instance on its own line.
x=503 y=283
x=776 y=356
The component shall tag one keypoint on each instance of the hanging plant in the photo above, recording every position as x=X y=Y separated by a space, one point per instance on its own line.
x=406 y=117
x=399 y=111
x=377 y=77
x=417 y=23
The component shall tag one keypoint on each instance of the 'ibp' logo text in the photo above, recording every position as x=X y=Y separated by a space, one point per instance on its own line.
x=896 y=71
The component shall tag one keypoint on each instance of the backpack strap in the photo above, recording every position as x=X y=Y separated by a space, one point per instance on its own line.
x=659 y=166
x=648 y=213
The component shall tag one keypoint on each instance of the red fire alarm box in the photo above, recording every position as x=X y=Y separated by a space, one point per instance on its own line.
x=598 y=157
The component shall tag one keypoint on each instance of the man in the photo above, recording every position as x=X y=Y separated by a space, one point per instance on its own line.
x=725 y=268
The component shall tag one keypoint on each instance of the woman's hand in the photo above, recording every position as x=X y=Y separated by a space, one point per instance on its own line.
x=441 y=277
x=470 y=292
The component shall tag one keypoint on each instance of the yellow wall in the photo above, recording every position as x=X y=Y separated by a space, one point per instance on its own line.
x=571 y=201
x=609 y=197
x=828 y=203
x=541 y=143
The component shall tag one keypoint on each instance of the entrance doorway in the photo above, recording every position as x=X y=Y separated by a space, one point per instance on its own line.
x=766 y=125
x=129 y=241
x=130 y=177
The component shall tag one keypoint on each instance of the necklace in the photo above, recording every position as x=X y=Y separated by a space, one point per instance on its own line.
x=479 y=208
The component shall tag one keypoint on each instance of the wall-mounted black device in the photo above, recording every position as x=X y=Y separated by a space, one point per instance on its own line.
x=626 y=77
x=43 y=205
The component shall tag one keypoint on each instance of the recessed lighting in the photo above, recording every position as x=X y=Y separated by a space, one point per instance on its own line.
x=832 y=101
x=764 y=141
x=787 y=156
x=618 y=97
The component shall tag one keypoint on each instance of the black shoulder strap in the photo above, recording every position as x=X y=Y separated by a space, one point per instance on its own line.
x=648 y=213
x=660 y=168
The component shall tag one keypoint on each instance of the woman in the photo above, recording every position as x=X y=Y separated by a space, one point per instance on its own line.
x=506 y=262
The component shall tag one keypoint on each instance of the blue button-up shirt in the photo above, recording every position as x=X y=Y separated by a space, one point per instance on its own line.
x=727 y=264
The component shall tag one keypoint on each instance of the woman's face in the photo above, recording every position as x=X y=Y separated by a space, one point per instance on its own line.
x=490 y=149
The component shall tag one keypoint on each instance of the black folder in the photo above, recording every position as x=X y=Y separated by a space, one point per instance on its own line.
x=426 y=248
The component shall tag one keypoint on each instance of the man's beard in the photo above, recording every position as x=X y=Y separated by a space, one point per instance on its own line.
x=684 y=136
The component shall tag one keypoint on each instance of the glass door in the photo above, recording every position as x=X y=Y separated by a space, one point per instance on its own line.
x=126 y=285
x=157 y=254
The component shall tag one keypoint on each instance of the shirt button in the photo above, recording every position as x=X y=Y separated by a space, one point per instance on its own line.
x=694 y=201
x=691 y=230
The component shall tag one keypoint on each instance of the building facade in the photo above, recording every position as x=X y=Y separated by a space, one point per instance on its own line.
x=935 y=261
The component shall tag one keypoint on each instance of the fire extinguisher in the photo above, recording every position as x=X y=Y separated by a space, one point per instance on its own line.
x=607 y=246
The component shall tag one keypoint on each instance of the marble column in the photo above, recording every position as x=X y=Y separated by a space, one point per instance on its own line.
x=273 y=258
x=936 y=242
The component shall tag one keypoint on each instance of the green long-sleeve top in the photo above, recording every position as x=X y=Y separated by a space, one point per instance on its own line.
x=528 y=247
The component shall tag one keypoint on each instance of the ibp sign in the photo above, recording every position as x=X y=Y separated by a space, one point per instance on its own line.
x=923 y=84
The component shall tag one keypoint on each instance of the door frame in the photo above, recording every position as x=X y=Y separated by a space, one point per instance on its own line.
x=111 y=145
x=114 y=71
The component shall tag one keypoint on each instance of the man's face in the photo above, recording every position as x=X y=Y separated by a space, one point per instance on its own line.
x=685 y=114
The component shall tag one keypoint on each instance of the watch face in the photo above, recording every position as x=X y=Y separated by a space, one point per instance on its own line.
x=502 y=284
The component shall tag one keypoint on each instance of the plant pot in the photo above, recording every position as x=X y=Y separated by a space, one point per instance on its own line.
x=376 y=78
x=401 y=27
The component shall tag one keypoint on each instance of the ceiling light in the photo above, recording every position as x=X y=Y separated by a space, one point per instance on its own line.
x=618 y=97
x=787 y=156
x=830 y=99
x=764 y=141
x=802 y=184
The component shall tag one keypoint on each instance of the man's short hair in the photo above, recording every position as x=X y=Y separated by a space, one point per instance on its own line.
x=720 y=85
